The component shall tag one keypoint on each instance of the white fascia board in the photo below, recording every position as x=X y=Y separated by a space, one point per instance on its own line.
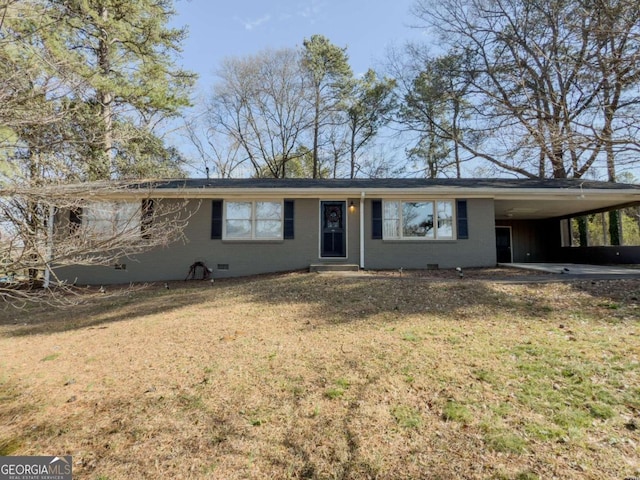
x=628 y=195
x=566 y=194
x=338 y=193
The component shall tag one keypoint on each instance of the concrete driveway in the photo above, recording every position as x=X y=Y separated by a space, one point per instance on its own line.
x=580 y=270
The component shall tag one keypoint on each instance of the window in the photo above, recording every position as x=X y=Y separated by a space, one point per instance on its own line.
x=260 y=220
x=425 y=220
x=102 y=220
x=445 y=219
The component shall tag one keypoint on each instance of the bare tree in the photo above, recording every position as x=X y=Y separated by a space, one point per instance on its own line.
x=335 y=144
x=543 y=79
x=260 y=103
x=218 y=154
x=44 y=229
x=616 y=27
x=69 y=82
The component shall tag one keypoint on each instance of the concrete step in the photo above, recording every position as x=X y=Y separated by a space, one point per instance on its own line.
x=333 y=267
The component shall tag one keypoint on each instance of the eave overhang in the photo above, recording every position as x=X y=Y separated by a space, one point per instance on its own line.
x=513 y=199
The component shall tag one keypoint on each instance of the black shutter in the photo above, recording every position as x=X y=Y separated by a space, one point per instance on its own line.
x=288 y=220
x=216 y=219
x=376 y=219
x=463 y=227
x=75 y=220
x=147 y=218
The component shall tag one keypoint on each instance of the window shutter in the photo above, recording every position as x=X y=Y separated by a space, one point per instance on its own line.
x=216 y=219
x=288 y=220
x=147 y=217
x=75 y=219
x=463 y=227
x=376 y=219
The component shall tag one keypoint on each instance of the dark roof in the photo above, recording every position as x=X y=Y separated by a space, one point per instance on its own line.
x=362 y=183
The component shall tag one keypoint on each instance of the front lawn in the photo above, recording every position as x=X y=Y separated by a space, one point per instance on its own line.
x=321 y=377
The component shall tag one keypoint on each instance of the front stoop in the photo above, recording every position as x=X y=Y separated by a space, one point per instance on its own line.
x=333 y=267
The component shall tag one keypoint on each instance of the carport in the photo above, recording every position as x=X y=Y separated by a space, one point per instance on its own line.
x=533 y=224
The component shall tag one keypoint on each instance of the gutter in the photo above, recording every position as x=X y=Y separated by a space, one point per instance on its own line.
x=396 y=193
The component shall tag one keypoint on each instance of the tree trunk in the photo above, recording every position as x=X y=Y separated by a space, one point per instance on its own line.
x=32 y=218
x=615 y=233
x=102 y=171
x=583 y=232
x=456 y=146
x=559 y=171
x=353 y=154
x=614 y=216
x=316 y=130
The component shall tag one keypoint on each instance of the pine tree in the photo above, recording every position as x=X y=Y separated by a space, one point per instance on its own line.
x=367 y=107
x=329 y=73
x=115 y=61
x=81 y=85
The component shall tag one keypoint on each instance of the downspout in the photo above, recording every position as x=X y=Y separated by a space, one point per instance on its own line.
x=362 y=230
x=49 y=254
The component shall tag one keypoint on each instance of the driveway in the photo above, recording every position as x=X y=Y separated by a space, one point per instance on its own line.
x=580 y=270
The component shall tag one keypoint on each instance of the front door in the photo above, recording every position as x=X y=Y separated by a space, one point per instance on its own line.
x=333 y=238
x=503 y=244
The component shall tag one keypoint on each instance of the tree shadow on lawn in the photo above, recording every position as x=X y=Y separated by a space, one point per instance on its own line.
x=624 y=291
x=335 y=300
x=94 y=311
x=327 y=299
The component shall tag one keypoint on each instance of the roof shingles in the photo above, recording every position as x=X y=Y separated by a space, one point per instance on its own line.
x=391 y=183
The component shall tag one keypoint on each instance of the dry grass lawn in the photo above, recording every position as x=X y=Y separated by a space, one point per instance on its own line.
x=309 y=376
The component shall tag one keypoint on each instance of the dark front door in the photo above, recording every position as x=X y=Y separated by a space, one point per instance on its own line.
x=333 y=229
x=503 y=244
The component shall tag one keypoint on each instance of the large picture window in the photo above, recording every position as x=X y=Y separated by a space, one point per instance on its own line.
x=259 y=220
x=423 y=220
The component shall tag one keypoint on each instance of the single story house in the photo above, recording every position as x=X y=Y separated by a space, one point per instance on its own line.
x=253 y=226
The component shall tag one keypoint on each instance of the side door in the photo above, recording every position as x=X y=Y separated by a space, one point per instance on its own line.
x=503 y=245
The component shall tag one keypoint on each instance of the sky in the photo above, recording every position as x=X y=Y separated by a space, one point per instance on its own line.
x=237 y=28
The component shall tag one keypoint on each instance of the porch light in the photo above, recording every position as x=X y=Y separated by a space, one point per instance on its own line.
x=352 y=206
